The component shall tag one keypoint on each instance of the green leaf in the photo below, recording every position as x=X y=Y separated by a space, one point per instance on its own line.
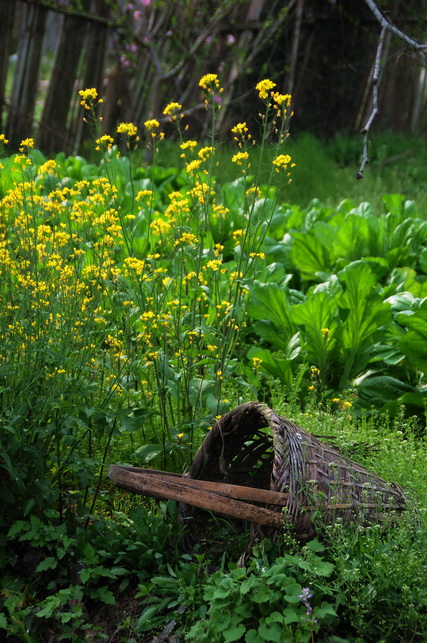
x=105 y=595
x=148 y=452
x=309 y=254
x=325 y=610
x=270 y=301
x=291 y=615
x=252 y=637
x=414 y=343
x=366 y=314
x=47 y=563
x=234 y=633
x=315 y=545
x=381 y=389
x=271 y=633
x=275 y=366
x=320 y=311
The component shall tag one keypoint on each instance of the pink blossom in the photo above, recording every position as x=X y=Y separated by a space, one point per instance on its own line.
x=145 y=3
x=137 y=15
x=125 y=62
x=230 y=39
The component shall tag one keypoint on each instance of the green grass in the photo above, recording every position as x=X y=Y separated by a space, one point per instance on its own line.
x=326 y=170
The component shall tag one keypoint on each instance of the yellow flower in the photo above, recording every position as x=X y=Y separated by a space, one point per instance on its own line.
x=48 y=167
x=239 y=157
x=180 y=435
x=214 y=264
x=192 y=166
x=311 y=388
x=240 y=129
x=336 y=400
x=104 y=141
x=129 y=129
x=264 y=86
x=88 y=94
x=209 y=82
x=3 y=139
x=151 y=124
x=172 y=110
x=282 y=161
x=187 y=238
x=205 y=152
x=188 y=145
x=256 y=362
x=282 y=99
x=27 y=143
x=88 y=97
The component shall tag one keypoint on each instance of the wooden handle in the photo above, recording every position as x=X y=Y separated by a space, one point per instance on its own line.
x=215 y=496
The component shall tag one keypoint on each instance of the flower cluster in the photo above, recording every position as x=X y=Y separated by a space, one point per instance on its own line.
x=264 y=87
x=173 y=110
x=209 y=82
x=89 y=98
x=128 y=129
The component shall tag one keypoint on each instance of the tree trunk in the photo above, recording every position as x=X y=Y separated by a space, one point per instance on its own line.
x=25 y=82
x=7 y=9
x=53 y=127
x=95 y=50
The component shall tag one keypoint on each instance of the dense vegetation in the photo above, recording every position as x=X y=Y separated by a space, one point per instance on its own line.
x=140 y=302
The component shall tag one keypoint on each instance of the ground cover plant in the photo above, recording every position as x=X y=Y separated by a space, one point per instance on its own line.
x=140 y=302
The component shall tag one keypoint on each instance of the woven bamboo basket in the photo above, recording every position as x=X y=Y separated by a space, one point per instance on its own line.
x=251 y=446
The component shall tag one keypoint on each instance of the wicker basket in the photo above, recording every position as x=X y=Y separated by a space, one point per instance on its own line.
x=251 y=446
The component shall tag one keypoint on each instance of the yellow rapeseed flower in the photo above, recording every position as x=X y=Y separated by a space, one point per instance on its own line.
x=151 y=124
x=173 y=110
x=240 y=129
x=209 y=82
x=282 y=99
x=188 y=145
x=192 y=166
x=205 y=152
x=264 y=86
x=88 y=94
x=281 y=162
x=239 y=157
x=129 y=129
x=26 y=144
x=104 y=141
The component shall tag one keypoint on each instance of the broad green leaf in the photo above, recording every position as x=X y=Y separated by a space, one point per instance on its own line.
x=291 y=615
x=275 y=366
x=47 y=563
x=234 y=633
x=381 y=389
x=414 y=343
x=309 y=254
x=270 y=301
x=393 y=203
x=318 y=318
x=148 y=452
x=364 y=313
x=271 y=632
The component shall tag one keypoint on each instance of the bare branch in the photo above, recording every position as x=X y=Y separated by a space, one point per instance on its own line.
x=374 y=83
x=386 y=24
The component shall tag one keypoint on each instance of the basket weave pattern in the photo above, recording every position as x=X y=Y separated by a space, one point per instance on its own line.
x=254 y=447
